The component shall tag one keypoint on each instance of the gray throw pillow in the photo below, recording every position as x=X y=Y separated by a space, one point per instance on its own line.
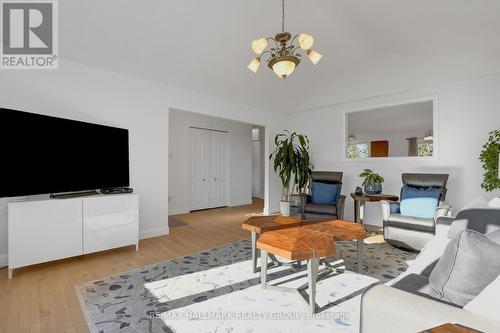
x=469 y=263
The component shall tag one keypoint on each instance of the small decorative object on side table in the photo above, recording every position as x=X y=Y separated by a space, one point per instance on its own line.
x=358 y=190
x=451 y=328
x=360 y=200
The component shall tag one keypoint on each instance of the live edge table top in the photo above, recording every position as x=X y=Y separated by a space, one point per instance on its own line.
x=260 y=224
x=311 y=240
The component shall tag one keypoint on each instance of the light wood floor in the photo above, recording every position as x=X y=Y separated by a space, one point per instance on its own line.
x=42 y=298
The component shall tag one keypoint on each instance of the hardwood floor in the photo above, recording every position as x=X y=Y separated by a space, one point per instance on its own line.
x=42 y=298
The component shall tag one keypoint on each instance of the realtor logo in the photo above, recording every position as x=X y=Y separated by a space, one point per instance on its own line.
x=29 y=34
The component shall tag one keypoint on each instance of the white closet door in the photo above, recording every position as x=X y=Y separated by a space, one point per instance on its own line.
x=218 y=169
x=200 y=175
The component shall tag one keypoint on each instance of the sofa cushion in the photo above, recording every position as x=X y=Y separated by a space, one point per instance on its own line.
x=478 y=202
x=419 y=202
x=495 y=202
x=321 y=209
x=324 y=194
x=427 y=259
x=409 y=222
x=469 y=264
x=482 y=220
x=414 y=283
x=487 y=302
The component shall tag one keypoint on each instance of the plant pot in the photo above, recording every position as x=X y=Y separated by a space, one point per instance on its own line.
x=285 y=208
x=375 y=188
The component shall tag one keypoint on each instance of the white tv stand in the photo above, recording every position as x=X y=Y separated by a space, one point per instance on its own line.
x=50 y=229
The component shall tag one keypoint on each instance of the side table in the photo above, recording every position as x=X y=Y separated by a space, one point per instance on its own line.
x=361 y=199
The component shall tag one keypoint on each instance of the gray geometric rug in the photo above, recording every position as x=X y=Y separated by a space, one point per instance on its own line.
x=145 y=299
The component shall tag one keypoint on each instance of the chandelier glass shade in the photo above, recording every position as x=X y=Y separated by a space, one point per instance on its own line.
x=284 y=55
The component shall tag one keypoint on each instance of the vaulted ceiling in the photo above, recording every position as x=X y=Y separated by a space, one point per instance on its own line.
x=205 y=45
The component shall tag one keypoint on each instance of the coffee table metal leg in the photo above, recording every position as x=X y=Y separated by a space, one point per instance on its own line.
x=312 y=267
x=361 y=244
x=263 y=269
x=255 y=252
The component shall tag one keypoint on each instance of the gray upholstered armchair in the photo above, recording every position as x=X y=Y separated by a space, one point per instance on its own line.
x=312 y=211
x=408 y=231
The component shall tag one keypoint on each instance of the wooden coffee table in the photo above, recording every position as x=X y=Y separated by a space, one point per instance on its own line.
x=260 y=224
x=311 y=242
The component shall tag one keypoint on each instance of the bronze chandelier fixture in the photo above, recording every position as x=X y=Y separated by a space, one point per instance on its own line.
x=284 y=55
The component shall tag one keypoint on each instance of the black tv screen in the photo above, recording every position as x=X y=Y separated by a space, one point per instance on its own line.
x=43 y=154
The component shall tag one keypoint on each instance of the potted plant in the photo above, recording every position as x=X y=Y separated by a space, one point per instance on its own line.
x=291 y=161
x=372 y=184
x=489 y=158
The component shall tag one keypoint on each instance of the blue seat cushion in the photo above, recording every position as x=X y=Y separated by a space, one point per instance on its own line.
x=419 y=202
x=324 y=194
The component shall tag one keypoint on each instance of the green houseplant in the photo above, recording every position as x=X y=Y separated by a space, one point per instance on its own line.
x=489 y=161
x=372 y=184
x=291 y=162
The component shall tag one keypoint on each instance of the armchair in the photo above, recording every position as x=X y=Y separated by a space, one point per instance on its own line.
x=408 y=231
x=312 y=211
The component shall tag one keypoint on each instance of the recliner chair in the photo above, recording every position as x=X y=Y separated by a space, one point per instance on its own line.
x=311 y=211
x=413 y=232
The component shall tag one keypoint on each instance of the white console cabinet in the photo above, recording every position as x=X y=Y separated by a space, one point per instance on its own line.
x=51 y=229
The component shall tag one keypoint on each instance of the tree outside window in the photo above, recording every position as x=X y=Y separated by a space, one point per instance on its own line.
x=358 y=150
x=425 y=148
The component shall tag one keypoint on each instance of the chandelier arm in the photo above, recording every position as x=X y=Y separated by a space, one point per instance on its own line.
x=267 y=51
x=274 y=40
x=293 y=39
x=294 y=49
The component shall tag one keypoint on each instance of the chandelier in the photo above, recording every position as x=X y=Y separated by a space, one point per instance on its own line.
x=284 y=55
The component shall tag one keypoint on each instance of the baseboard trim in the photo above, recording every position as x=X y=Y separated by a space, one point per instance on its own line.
x=240 y=203
x=4 y=260
x=177 y=211
x=150 y=233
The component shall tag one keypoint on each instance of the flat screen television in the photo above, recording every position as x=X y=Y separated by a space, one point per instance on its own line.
x=43 y=154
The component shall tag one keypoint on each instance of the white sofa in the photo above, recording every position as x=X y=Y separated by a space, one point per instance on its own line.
x=388 y=309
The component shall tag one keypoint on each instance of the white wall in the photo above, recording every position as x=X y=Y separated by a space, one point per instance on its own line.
x=468 y=110
x=240 y=158
x=85 y=93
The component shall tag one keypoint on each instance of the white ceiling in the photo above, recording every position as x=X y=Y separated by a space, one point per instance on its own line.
x=205 y=45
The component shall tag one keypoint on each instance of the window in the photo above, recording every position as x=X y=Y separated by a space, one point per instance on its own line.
x=357 y=150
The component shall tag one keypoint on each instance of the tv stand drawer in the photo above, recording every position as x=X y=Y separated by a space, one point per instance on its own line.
x=109 y=222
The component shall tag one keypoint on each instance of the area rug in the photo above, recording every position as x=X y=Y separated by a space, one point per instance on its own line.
x=215 y=291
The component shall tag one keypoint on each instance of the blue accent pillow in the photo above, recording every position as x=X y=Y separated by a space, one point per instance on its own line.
x=324 y=194
x=394 y=206
x=419 y=202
